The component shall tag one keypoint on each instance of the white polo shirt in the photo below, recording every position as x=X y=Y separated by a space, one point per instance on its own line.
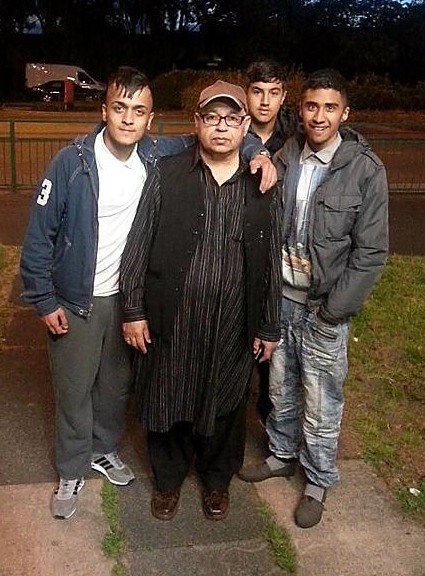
x=120 y=187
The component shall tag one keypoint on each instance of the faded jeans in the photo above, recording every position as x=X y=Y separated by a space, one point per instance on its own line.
x=307 y=373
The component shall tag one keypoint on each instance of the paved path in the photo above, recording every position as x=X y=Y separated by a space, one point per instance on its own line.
x=362 y=532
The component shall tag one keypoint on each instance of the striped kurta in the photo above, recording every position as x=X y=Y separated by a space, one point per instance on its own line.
x=203 y=370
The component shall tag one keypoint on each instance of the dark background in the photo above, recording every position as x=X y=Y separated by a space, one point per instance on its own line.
x=357 y=37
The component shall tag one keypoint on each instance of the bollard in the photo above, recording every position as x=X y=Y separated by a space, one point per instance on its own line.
x=68 y=94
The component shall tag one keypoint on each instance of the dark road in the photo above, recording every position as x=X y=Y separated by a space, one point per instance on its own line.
x=407 y=224
x=406 y=216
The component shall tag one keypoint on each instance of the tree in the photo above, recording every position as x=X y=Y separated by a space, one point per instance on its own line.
x=356 y=36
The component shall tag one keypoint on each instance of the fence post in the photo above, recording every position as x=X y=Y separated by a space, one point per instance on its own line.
x=68 y=94
x=12 y=155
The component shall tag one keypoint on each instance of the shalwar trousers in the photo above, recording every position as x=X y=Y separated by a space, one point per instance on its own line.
x=216 y=458
x=91 y=369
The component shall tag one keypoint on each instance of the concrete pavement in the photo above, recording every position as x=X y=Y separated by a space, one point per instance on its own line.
x=33 y=545
x=362 y=532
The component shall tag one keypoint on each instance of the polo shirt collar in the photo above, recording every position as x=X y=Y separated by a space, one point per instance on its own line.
x=106 y=160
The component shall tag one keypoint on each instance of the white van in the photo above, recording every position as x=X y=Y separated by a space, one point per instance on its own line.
x=47 y=81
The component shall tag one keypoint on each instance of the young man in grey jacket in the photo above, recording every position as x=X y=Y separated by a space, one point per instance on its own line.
x=82 y=212
x=335 y=243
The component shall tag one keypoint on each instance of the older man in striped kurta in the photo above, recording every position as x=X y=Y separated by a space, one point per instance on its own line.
x=200 y=280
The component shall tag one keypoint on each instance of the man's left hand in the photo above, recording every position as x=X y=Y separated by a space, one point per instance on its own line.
x=137 y=334
x=268 y=171
x=268 y=348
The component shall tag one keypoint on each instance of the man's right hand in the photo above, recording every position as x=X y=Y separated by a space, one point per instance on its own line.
x=268 y=171
x=137 y=334
x=56 y=321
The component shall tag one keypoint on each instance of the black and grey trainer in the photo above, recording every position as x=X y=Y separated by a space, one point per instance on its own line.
x=113 y=468
x=63 y=503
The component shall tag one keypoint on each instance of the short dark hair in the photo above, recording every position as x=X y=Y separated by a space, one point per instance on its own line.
x=129 y=78
x=327 y=78
x=265 y=70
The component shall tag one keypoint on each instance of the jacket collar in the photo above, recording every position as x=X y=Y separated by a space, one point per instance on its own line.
x=352 y=144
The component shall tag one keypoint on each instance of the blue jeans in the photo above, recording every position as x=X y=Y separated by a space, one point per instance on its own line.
x=307 y=373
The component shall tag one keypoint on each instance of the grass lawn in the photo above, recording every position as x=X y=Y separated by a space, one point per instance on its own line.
x=385 y=392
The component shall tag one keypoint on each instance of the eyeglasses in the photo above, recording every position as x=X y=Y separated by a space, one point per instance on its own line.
x=232 y=120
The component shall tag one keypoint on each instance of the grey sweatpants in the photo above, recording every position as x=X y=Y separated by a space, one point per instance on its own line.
x=91 y=373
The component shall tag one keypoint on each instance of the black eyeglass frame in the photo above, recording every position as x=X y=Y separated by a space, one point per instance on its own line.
x=219 y=118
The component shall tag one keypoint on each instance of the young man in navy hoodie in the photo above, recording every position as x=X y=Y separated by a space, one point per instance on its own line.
x=82 y=212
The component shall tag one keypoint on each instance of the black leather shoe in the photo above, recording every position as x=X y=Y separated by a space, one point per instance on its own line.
x=164 y=505
x=215 y=504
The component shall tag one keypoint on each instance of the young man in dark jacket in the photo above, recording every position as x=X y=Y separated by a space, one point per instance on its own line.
x=271 y=119
x=335 y=243
x=274 y=122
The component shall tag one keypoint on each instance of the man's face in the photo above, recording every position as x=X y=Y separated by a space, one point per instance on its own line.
x=264 y=100
x=321 y=111
x=127 y=119
x=222 y=140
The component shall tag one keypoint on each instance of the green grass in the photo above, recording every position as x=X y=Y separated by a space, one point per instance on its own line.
x=412 y=502
x=113 y=543
x=279 y=541
x=9 y=257
x=385 y=394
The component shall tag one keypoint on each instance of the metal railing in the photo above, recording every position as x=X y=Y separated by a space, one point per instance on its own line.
x=26 y=146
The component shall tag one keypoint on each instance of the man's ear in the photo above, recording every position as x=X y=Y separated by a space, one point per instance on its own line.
x=345 y=114
x=148 y=125
x=197 y=119
x=285 y=92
